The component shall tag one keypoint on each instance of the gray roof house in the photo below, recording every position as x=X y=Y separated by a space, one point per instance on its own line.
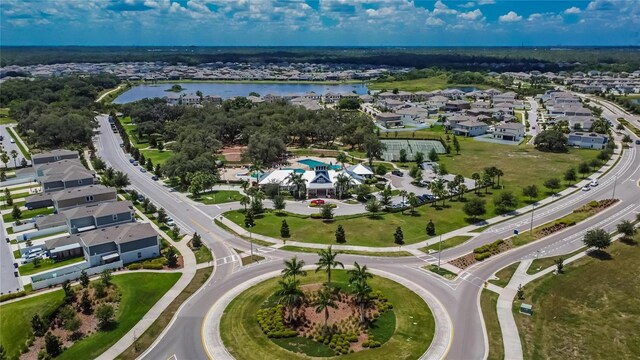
x=389 y=119
x=69 y=198
x=63 y=175
x=53 y=156
x=96 y=216
x=509 y=131
x=470 y=128
x=587 y=140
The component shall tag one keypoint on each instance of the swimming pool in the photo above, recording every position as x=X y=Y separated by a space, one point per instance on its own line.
x=299 y=171
x=312 y=164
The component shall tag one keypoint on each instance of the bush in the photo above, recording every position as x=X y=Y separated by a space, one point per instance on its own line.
x=135 y=266
x=481 y=256
x=316 y=216
x=12 y=296
x=152 y=266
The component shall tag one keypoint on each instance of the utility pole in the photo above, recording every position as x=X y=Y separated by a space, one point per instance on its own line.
x=439 y=250
x=251 y=242
x=531 y=225
x=615 y=180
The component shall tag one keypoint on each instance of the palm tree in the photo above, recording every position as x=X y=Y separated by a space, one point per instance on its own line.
x=289 y=295
x=293 y=267
x=4 y=158
x=14 y=155
x=244 y=184
x=361 y=291
x=244 y=201
x=342 y=158
x=359 y=274
x=256 y=168
x=404 y=194
x=327 y=262
x=476 y=178
x=342 y=182
x=297 y=180
x=499 y=173
x=325 y=301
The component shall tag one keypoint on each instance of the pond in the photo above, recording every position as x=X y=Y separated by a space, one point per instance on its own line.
x=228 y=90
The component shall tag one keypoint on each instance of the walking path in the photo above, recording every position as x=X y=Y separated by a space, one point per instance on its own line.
x=109 y=92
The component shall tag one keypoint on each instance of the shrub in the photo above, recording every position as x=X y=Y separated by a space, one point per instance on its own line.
x=481 y=256
x=316 y=216
x=12 y=296
x=135 y=266
x=152 y=266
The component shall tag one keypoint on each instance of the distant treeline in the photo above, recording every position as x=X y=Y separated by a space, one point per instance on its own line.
x=464 y=58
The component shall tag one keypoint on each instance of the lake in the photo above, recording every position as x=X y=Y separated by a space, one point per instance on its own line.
x=228 y=90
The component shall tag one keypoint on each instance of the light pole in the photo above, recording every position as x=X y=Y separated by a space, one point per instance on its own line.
x=615 y=180
x=439 y=250
x=251 y=242
x=531 y=225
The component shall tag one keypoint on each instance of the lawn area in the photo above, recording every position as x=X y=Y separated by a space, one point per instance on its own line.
x=149 y=336
x=425 y=84
x=157 y=156
x=15 y=326
x=15 y=136
x=28 y=214
x=538 y=265
x=202 y=254
x=504 y=275
x=4 y=117
x=591 y=311
x=449 y=243
x=133 y=289
x=441 y=271
x=251 y=259
x=218 y=197
x=348 y=252
x=489 y=306
x=47 y=264
x=414 y=326
x=18 y=203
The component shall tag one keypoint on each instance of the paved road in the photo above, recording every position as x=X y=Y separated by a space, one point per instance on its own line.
x=459 y=297
x=534 y=129
x=7 y=146
x=8 y=281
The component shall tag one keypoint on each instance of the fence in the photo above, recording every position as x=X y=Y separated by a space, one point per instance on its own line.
x=71 y=272
x=412 y=147
x=41 y=233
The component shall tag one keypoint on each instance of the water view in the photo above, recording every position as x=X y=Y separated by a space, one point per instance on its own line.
x=228 y=90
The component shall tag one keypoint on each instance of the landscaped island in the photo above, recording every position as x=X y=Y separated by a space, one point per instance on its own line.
x=350 y=313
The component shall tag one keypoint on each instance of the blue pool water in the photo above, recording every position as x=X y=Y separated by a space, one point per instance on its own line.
x=300 y=171
x=314 y=163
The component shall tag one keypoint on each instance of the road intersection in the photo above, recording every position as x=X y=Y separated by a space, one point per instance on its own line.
x=459 y=298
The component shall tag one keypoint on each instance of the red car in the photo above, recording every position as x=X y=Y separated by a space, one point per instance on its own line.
x=317 y=202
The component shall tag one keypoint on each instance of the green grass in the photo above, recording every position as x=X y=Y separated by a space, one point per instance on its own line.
x=15 y=326
x=305 y=346
x=217 y=197
x=133 y=289
x=424 y=84
x=47 y=264
x=149 y=336
x=591 y=311
x=19 y=195
x=157 y=156
x=251 y=259
x=538 y=265
x=203 y=254
x=414 y=327
x=48 y=235
x=384 y=327
x=489 y=306
x=505 y=274
x=16 y=254
x=348 y=252
x=6 y=207
x=27 y=214
x=4 y=117
x=441 y=271
x=448 y=243
x=15 y=136
x=32 y=186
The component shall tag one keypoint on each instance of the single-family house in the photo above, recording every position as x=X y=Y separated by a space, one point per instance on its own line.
x=53 y=156
x=83 y=196
x=85 y=218
x=457 y=105
x=389 y=120
x=587 y=140
x=360 y=170
x=509 y=132
x=470 y=128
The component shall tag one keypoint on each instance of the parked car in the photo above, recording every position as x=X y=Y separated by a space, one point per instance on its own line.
x=637 y=142
x=397 y=173
x=140 y=198
x=13 y=141
x=136 y=163
x=317 y=202
x=586 y=188
x=170 y=222
x=594 y=183
x=131 y=160
x=154 y=178
x=143 y=170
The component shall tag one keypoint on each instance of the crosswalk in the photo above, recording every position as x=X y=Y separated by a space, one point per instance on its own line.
x=429 y=259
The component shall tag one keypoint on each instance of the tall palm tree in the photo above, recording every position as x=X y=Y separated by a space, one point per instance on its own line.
x=4 y=158
x=361 y=291
x=327 y=262
x=297 y=180
x=325 y=301
x=255 y=168
x=289 y=295
x=293 y=268
x=499 y=173
x=404 y=194
x=359 y=273
x=342 y=183
x=244 y=184
x=244 y=201
x=342 y=159
x=14 y=155
x=476 y=179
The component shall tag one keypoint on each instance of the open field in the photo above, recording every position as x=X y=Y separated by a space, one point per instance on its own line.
x=4 y=117
x=217 y=197
x=413 y=332
x=425 y=84
x=156 y=156
x=591 y=311
x=348 y=252
x=489 y=304
x=542 y=263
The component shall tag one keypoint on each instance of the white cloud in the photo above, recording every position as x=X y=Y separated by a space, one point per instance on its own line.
x=573 y=10
x=471 y=15
x=441 y=8
x=434 y=21
x=486 y=2
x=470 y=4
x=511 y=16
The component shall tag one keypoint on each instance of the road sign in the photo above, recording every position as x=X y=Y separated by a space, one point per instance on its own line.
x=515 y=231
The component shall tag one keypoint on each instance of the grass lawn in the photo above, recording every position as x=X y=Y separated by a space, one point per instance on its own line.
x=157 y=156
x=505 y=274
x=449 y=243
x=251 y=259
x=48 y=235
x=218 y=197
x=32 y=186
x=441 y=271
x=149 y=336
x=48 y=264
x=203 y=254
x=489 y=306
x=15 y=136
x=425 y=84
x=4 y=117
x=139 y=292
x=543 y=263
x=592 y=311
x=414 y=326
x=6 y=207
x=28 y=214
x=15 y=326
x=348 y=252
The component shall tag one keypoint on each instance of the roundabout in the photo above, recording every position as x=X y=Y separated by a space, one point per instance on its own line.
x=416 y=325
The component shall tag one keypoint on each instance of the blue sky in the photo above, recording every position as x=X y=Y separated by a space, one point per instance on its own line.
x=320 y=22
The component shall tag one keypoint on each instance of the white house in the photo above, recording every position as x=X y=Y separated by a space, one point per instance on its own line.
x=318 y=183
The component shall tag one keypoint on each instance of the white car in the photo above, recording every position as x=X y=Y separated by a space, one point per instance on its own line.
x=13 y=141
x=594 y=183
x=170 y=222
x=586 y=188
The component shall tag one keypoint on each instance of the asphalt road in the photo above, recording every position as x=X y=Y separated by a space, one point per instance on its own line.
x=460 y=297
x=8 y=281
x=7 y=146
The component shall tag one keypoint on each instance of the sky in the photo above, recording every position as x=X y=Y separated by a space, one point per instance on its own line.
x=320 y=22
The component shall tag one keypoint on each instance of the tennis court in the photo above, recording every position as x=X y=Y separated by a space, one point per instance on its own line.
x=412 y=147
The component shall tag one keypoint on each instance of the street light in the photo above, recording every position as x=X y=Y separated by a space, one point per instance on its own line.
x=251 y=242
x=439 y=251
x=615 y=180
x=531 y=225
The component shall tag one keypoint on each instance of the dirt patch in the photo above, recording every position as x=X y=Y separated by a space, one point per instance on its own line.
x=467 y=260
x=233 y=153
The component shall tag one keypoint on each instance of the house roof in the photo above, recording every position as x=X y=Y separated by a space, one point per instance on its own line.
x=83 y=191
x=360 y=169
x=510 y=126
x=387 y=115
x=53 y=153
x=119 y=234
x=99 y=210
x=472 y=123
x=50 y=220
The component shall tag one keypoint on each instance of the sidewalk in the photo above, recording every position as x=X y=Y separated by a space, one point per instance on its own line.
x=188 y=272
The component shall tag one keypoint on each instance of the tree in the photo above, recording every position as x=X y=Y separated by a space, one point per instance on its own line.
x=431 y=228
x=14 y=155
x=4 y=158
x=85 y=302
x=474 y=208
x=552 y=184
x=505 y=202
x=342 y=158
x=100 y=289
x=570 y=176
x=278 y=203
x=403 y=155
x=626 y=228
x=416 y=173
x=551 y=140
x=385 y=197
x=297 y=180
x=341 y=237
x=398 y=237
x=438 y=190
x=244 y=201
x=372 y=206
x=362 y=192
x=162 y=216
x=38 y=326
x=326 y=212
x=105 y=277
x=627 y=139
x=151 y=208
x=374 y=148
x=3 y=175
x=343 y=182
x=175 y=231
x=327 y=262
x=24 y=162
x=200 y=181
x=160 y=146
x=361 y=296
x=149 y=165
x=84 y=279
x=349 y=104
x=16 y=213
x=584 y=169
x=456 y=144
x=413 y=202
x=293 y=268
x=418 y=158
x=476 y=179
x=248 y=219
x=531 y=191
x=433 y=155
x=284 y=229
x=559 y=265
x=52 y=344
x=172 y=257
x=69 y=294
x=597 y=238
x=520 y=293
x=105 y=315
x=359 y=273
x=289 y=295
x=324 y=301
x=196 y=240
x=486 y=181
x=381 y=169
